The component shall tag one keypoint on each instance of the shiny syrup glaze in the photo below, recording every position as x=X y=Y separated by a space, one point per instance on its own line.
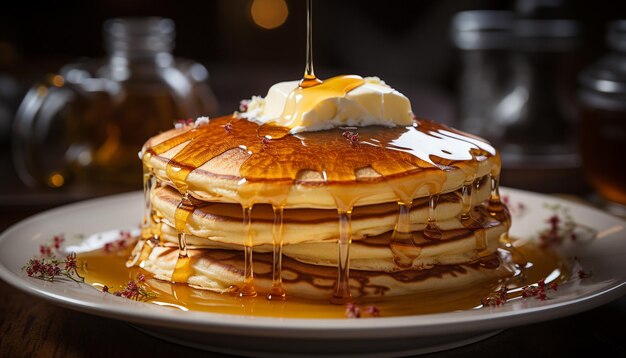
x=534 y=263
x=391 y=152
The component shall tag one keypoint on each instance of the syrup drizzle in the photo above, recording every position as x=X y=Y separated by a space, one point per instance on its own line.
x=248 y=272
x=148 y=238
x=309 y=79
x=401 y=244
x=342 y=287
x=496 y=209
x=277 y=292
x=182 y=270
x=432 y=230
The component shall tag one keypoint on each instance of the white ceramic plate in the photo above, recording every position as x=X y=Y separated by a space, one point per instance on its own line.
x=605 y=256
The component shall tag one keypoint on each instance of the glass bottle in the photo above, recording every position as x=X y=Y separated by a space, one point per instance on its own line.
x=602 y=112
x=86 y=124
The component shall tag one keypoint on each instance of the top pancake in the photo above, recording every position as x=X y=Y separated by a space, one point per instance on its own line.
x=238 y=161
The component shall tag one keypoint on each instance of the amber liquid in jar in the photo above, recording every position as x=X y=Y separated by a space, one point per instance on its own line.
x=603 y=145
x=118 y=133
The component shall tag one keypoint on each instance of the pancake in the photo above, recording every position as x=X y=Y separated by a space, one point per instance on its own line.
x=221 y=271
x=222 y=222
x=309 y=169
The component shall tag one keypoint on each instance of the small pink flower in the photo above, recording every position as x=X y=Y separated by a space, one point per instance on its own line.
x=243 y=105
x=353 y=311
x=372 y=311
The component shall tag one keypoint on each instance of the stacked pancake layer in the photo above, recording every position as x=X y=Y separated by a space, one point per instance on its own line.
x=234 y=206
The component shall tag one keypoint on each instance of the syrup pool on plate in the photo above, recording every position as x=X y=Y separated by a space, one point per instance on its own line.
x=105 y=268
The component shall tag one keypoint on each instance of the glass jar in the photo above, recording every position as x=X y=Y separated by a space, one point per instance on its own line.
x=484 y=39
x=517 y=89
x=86 y=124
x=602 y=111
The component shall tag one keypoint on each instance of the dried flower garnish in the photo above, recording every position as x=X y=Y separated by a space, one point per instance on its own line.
x=354 y=311
x=561 y=227
x=353 y=137
x=51 y=268
x=265 y=141
x=134 y=290
x=578 y=269
x=497 y=298
x=47 y=250
x=180 y=123
x=539 y=291
x=243 y=105
x=372 y=311
x=517 y=209
x=228 y=127
x=48 y=267
x=124 y=241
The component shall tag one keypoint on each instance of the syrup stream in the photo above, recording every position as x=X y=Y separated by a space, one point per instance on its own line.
x=248 y=276
x=342 y=288
x=309 y=79
x=148 y=239
x=402 y=245
x=432 y=230
x=183 y=269
x=277 y=292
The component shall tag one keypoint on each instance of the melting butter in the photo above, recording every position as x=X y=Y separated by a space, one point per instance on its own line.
x=347 y=100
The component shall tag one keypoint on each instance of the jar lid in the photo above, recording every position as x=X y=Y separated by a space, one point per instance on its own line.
x=608 y=75
x=139 y=34
x=616 y=35
x=482 y=29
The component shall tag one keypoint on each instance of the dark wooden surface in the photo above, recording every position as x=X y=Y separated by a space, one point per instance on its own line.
x=31 y=327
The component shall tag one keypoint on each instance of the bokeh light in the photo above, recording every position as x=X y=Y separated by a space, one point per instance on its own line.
x=269 y=14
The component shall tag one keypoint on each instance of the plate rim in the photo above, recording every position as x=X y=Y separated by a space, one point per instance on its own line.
x=416 y=325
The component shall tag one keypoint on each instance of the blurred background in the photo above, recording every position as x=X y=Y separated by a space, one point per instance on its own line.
x=80 y=91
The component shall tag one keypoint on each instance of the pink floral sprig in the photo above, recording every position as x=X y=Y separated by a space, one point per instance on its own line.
x=353 y=137
x=180 y=123
x=124 y=240
x=243 y=105
x=47 y=266
x=515 y=208
x=228 y=127
x=496 y=299
x=48 y=250
x=577 y=268
x=354 y=311
x=540 y=290
x=561 y=227
x=134 y=290
x=51 y=268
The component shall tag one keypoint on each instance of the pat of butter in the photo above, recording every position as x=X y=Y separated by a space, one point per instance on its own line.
x=369 y=101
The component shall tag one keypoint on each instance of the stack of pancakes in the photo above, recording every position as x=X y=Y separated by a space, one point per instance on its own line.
x=218 y=168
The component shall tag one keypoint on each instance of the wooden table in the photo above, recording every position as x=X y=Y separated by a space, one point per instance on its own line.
x=31 y=327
